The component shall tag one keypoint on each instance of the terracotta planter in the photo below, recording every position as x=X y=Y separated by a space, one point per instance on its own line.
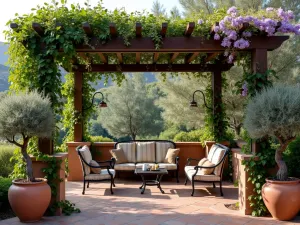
x=282 y=198
x=29 y=200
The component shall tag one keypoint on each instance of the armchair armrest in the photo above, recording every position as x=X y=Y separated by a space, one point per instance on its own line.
x=110 y=162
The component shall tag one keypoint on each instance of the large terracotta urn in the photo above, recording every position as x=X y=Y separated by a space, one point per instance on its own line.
x=29 y=200
x=282 y=198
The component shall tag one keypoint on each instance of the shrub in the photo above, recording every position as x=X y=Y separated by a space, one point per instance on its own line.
x=6 y=166
x=100 y=139
x=292 y=158
x=169 y=134
x=4 y=186
x=275 y=112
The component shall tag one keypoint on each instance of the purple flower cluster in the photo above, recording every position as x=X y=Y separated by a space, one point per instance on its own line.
x=229 y=27
x=244 y=89
x=200 y=21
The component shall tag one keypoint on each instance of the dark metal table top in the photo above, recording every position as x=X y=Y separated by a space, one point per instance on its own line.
x=149 y=172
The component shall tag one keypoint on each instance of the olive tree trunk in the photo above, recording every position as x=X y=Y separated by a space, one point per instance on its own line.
x=28 y=160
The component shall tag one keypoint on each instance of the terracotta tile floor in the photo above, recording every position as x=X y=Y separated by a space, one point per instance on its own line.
x=128 y=207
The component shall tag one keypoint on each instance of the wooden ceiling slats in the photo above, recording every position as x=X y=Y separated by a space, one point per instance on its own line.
x=211 y=56
x=38 y=28
x=174 y=56
x=87 y=29
x=164 y=27
x=103 y=57
x=120 y=57
x=113 y=30
x=155 y=57
x=138 y=30
x=189 y=58
x=138 y=57
x=189 y=29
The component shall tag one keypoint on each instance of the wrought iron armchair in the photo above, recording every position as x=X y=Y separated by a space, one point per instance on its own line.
x=107 y=174
x=217 y=156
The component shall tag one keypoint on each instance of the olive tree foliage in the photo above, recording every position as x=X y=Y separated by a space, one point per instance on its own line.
x=158 y=9
x=131 y=110
x=275 y=111
x=24 y=116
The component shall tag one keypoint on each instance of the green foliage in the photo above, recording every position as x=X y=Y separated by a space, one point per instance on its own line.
x=6 y=166
x=67 y=208
x=274 y=111
x=258 y=172
x=292 y=158
x=169 y=133
x=27 y=114
x=131 y=111
x=5 y=183
x=100 y=139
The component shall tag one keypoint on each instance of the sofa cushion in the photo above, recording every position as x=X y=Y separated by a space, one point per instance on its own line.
x=140 y=165
x=87 y=156
x=95 y=170
x=101 y=176
x=202 y=161
x=190 y=171
x=119 y=155
x=145 y=152
x=161 y=149
x=129 y=151
x=171 y=155
x=168 y=166
x=125 y=166
x=215 y=155
x=207 y=171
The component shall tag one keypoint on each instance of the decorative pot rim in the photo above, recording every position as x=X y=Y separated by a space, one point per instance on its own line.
x=19 y=181
x=291 y=182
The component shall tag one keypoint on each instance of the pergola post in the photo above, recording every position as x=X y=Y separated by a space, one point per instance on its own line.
x=217 y=102
x=78 y=126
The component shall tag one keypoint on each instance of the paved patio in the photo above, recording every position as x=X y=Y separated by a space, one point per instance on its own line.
x=176 y=207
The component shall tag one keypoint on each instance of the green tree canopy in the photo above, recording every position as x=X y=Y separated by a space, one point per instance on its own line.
x=158 y=9
x=131 y=110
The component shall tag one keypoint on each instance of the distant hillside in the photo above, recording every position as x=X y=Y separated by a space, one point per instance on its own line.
x=3 y=49
x=4 y=78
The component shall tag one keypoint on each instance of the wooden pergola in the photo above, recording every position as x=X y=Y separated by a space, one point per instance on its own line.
x=191 y=46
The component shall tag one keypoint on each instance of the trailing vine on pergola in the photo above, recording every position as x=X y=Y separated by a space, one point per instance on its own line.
x=93 y=42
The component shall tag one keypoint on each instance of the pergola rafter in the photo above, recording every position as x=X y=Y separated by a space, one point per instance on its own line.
x=189 y=45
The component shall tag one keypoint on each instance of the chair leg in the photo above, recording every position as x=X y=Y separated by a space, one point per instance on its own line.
x=88 y=184
x=221 y=191
x=186 y=180
x=83 y=187
x=214 y=186
x=193 y=186
x=177 y=176
x=114 y=183
x=111 y=185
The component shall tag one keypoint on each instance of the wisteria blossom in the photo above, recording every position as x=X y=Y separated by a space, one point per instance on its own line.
x=200 y=21
x=228 y=29
x=244 y=89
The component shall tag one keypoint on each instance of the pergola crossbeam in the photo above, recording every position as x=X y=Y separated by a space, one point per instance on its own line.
x=164 y=27
x=211 y=56
x=113 y=30
x=103 y=57
x=138 y=57
x=155 y=57
x=87 y=29
x=138 y=30
x=38 y=28
x=120 y=57
x=189 y=29
x=174 y=56
x=191 y=57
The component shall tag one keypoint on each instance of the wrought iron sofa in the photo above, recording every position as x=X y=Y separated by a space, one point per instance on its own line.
x=217 y=156
x=135 y=153
x=107 y=172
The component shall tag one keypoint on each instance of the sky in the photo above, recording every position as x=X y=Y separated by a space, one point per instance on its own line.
x=10 y=7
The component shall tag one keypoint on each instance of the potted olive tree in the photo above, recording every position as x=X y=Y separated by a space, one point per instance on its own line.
x=22 y=117
x=276 y=112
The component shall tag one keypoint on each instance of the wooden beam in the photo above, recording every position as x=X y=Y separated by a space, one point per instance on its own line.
x=191 y=57
x=164 y=27
x=154 y=67
x=212 y=31
x=78 y=126
x=14 y=26
x=87 y=29
x=155 y=57
x=103 y=57
x=277 y=26
x=113 y=30
x=138 y=30
x=175 y=44
x=211 y=56
x=120 y=58
x=216 y=83
x=189 y=29
x=138 y=57
x=38 y=28
x=259 y=60
x=243 y=28
x=174 y=56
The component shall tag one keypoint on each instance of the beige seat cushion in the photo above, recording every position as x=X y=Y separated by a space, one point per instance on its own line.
x=190 y=171
x=171 y=155
x=95 y=170
x=125 y=166
x=129 y=150
x=119 y=155
x=145 y=152
x=215 y=155
x=87 y=156
x=168 y=166
x=101 y=176
x=161 y=149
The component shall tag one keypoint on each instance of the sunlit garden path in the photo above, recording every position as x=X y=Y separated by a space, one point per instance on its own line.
x=176 y=207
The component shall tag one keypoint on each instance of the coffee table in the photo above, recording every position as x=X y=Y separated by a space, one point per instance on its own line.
x=159 y=174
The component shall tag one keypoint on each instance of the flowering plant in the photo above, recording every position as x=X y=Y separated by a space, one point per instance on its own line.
x=236 y=29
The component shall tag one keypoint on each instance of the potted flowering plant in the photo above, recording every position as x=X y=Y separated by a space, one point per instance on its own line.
x=276 y=112
x=22 y=117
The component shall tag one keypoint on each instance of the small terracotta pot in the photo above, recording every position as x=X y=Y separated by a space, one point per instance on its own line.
x=282 y=198
x=29 y=200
